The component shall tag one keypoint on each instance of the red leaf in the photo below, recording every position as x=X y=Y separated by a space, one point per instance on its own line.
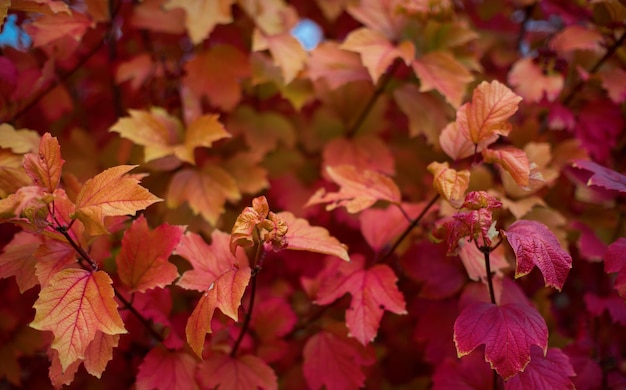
x=359 y=189
x=534 y=244
x=334 y=362
x=599 y=125
x=469 y=373
x=373 y=291
x=241 y=373
x=142 y=262
x=615 y=261
x=75 y=305
x=614 y=304
x=508 y=331
x=602 y=176
x=590 y=246
x=552 y=371
x=167 y=370
x=45 y=166
x=302 y=236
x=614 y=81
x=17 y=259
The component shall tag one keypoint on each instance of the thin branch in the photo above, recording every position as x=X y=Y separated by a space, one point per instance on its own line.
x=609 y=53
x=486 y=252
x=406 y=232
x=382 y=84
x=144 y=321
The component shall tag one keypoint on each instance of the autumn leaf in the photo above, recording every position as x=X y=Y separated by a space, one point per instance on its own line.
x=335 y=65
x=602 y=176
x=512 y=160
x=532 y=83
x=142 y=262
x=485 y=117
x=534 y=244
x=205 y=190
x=238 y=373
x=427 y=115
x=449 y=183
x=164 y=370
x=471 y=372
x=286 y=51
x=45 y=166
x=49 y=28
x=455 y=143
x=364 y=152
x=334 y=362
x=302 y=236
x=614 y=81
x=74 y=306
x=552 y=371
x=615 y=261
x=201 y=17
x=376 y=51
x=151 y=15
x=100 y=352
x=441 y=71
x=358 y=189
x=508 y=332
x=110 y=193
x=18 y=259
x=216 y=272
x=373 y=291
x=577 y=37
x=20 y=141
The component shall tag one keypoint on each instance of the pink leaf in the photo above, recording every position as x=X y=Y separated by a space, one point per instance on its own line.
x=614 y=304
x=167 y=370
x=469 y=373
x=552 y=371
x=615 y=261
x=241 y=373
x=534 y=244
x=373 y=291
x=602 y=176
x=508 y=331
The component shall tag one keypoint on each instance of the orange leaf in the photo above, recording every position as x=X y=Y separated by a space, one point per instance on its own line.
x=376 y=51
x=52 y=27
x=358 y=189
x=449 y=183
x=162 y=369
x=208 y=261
x=204 y=190
x=287 y=52
x=202 y=16
x=532 y=84
x=142 y=262
x=302 y=236
x=224 y=293
x=362 y=152
x=111 y=193
x=336 y=66
x=74 y=306
x=242 y=233
x=17 y=259
x=485 y=117
x=455 y=143
x=576 y=37
x=614 y=81
x=250 y=175
x=263 y=131
x=20 y=141
x=45 y=167
x=100 y=352
x=239 y=373
x=441 y=71
x=384 y=17
x=138 y=69
x=427 y=115
x=512 y=160
x=216 y=74
x=150 y=15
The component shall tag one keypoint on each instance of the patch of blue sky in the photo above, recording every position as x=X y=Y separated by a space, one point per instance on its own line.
x=308 y=33
x=13 y=36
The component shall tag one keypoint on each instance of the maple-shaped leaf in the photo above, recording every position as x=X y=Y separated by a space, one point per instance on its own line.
x=45 y=166
x=74 y=306
x=48 y=28
x=441 y=71
x=100 y=352
x=508 y=332
x=427 y=115
x=111 y=193
x=52 y=257
x=376 y=51
x=216 y=74
x=373 y=291
x=449 y=183
x=205 y=190
x=334 y=362
x=602 y=176
x=287 y=52
x=485 y=117
x=614 y=81
x=365 y=152
x=577 y=37
x=615 y=261
x=246 y=372
x=162 y=134
x=512 y=160
x=142 y=261
x=532 y=83
x=164 y=370
x=18 y=259
x=335 y=65
x=201 y=17
x=552 y=371
x=304 y=237
x=358 y=189
x=217 y=273
x=535 y=245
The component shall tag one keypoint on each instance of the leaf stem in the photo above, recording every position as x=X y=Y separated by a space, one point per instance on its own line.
x=258 y=258
x=486 y=251
x=382 y=84
x=406 y=231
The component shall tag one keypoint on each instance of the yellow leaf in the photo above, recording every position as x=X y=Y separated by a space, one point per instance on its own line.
x=202 y=15
x=449 y=183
